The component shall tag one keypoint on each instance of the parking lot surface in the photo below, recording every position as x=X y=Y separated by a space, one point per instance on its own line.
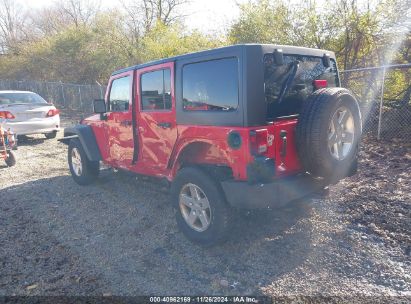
x=119 y=237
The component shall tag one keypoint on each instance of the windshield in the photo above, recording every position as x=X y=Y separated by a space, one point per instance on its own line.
x=20 y=98
x=284 y=103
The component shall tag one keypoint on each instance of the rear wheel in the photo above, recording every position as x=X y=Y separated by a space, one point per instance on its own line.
x=11 y=159
x=201 y=210
x=328 y=132
x=83 y=170
x=51 y=135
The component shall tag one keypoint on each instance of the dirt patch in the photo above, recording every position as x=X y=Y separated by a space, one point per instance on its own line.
x=119 y=236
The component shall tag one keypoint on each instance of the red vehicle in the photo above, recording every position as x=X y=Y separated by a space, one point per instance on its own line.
x=245 y=126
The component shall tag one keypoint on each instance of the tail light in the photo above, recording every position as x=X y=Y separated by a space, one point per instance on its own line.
x=320 y=83
x=52 y=112
x=258 y=141
x=6 y=115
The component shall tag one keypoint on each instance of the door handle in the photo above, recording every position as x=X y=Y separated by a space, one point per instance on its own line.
x=164 y=125
x=126 y=123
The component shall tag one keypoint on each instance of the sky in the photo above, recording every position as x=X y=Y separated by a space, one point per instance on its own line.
x=208 y=16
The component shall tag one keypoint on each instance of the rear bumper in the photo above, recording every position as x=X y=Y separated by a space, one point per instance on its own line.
x=270 y=195
x=45 y=125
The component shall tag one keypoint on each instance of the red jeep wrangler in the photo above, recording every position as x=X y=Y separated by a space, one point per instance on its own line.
x=244 y=126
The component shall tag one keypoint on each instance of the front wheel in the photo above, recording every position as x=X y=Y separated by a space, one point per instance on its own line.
x=201 y=210
x=83 y=170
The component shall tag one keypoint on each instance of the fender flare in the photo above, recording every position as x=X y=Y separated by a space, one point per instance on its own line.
x=87 y=139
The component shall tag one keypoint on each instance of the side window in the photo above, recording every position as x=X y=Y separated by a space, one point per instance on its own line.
x=119 y=100
x=156 y=90
x=211 y=85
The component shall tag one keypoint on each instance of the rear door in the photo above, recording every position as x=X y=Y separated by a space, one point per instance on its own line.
x=156 y=117
x=119 y=126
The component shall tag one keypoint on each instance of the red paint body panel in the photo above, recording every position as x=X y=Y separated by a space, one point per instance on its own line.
x=289 y=164
x=214 y=148
x=156 y=143
x=114 y=135
x=161 y=150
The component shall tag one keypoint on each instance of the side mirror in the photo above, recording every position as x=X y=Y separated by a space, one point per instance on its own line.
x=99 y=106
x=278 y=57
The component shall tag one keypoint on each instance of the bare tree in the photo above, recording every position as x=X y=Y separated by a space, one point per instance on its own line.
x=145 y=13
x=52 y=19
x=133 y=22
x=48 y=20
x=362 y=24
x=12 y=24
x=78 y=11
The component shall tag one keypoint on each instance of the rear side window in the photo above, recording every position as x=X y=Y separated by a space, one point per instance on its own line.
x=120 y=94
x=211 y=85
x=307 y=69
x=156 y=90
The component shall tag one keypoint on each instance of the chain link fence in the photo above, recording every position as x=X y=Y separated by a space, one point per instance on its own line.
x=384 y=94
x=68 y=96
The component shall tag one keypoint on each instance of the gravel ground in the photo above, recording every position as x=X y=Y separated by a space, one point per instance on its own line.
x=119 y=237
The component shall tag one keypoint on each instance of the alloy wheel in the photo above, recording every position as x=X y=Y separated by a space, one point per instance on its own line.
x=76 y=161
x=341 y=133
x=195 y=207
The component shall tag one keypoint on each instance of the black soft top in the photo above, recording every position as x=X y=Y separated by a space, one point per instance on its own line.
x=252 y=107
x=264 y=48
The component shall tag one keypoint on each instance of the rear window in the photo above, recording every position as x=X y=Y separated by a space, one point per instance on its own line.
x=20 y=98
x=211 y=85
x=307 y=69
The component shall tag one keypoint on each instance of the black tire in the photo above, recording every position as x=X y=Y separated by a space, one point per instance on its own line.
x=51 y=135
x=11 y=159
x=313 y=130
x=221 y=213
x=89 y=169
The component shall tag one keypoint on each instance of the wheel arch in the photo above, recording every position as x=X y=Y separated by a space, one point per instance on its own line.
x=201 y=153
x=87 y=139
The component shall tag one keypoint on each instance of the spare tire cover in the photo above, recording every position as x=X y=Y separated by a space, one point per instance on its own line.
x=328 y=132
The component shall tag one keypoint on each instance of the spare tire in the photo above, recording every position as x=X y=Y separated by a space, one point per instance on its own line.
x=328 y=131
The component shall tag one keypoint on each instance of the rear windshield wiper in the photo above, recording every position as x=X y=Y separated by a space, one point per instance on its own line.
x=286 y=86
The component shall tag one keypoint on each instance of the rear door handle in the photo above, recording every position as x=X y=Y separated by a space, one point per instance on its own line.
x=164 y=125
x=126 y=123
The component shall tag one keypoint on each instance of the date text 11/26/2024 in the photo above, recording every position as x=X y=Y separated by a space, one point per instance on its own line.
x=209 y=299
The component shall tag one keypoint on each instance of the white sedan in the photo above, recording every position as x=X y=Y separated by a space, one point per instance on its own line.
x=28 y=113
